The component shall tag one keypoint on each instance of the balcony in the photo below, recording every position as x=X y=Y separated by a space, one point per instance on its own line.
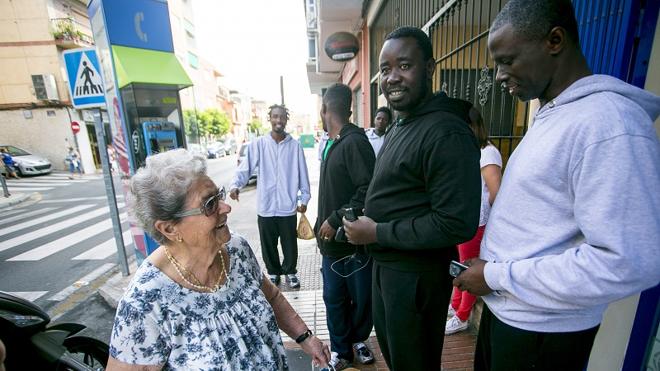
x=68 y=33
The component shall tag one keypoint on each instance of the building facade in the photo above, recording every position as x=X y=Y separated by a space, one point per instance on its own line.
x=619 y=37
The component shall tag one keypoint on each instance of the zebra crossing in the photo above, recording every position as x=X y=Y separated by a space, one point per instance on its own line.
x=47 y=182
x=52 y=248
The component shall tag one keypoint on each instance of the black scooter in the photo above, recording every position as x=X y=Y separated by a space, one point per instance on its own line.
x=31 y=345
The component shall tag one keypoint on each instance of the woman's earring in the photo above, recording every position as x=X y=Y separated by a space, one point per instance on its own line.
x=179 y=239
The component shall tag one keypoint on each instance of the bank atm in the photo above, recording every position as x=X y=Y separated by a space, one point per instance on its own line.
x=159 y=136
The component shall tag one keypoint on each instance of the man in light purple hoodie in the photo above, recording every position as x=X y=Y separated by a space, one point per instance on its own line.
x=576 y=223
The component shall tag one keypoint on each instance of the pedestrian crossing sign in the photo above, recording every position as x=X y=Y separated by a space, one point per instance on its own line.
x=85 y=78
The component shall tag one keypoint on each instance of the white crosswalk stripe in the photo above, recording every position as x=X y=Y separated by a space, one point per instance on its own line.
x=25 y=215
x=10 y=212
x=67 y=241
x=29 y=189
x=13 y=242
x=44 y=219
x=28 y=295
x=69 y=200
x=106 y=248
x=38 y=184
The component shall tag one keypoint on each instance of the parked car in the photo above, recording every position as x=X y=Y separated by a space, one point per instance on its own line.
x=242 y=156
x=230 y=146
x=216 y=150
x=26 y=162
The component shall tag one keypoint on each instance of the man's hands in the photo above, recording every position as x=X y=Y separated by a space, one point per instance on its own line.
x=361 y=231
x=233 y=194
x=326 y=232
x=302 y=208
x=472 y=279
x=315 y=348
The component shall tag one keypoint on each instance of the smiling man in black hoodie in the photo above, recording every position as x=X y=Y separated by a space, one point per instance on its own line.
x=424 y=199
x=346 y=168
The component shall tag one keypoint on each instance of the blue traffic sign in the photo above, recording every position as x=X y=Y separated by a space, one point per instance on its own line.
x=85 y=78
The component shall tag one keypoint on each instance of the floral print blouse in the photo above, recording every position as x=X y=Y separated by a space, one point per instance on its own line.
x=159 y=322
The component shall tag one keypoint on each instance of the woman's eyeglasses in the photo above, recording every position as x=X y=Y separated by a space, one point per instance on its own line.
x=209 y=207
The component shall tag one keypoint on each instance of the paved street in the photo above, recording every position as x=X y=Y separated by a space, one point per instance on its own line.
x=60 y=241
x=57 y=248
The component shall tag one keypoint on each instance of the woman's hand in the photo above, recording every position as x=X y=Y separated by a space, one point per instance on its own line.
x=317 y=350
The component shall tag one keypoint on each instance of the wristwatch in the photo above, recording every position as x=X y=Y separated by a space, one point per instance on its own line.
x=304 y=336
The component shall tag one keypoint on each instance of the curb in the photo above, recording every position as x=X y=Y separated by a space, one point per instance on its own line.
x=113 y=289
x=15 y=199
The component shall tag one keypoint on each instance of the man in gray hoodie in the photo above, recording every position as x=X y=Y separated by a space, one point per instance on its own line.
x=567 y=235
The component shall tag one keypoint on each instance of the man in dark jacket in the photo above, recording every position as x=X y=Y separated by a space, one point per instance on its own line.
x=346 y=169
x=424 y=199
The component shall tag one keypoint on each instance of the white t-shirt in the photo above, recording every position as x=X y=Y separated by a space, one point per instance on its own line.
x=489 y=156
x=375 y=140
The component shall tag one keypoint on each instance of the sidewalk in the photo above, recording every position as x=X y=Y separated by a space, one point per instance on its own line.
x=13 y=199
x=307 y=300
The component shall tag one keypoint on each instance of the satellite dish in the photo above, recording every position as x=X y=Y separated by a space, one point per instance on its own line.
x=341 y=46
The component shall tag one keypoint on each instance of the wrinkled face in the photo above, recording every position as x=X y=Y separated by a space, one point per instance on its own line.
x=278 y=120
x=404 y=74
x=524 y=68
x=381 y=121
x=201 y=230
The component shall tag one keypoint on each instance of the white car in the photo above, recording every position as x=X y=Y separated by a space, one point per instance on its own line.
x=27 y=163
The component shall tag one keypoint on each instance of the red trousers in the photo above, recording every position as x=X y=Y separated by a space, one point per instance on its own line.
x=463 y=301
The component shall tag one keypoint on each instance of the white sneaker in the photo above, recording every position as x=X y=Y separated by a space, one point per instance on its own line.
x=293 y=280
x=454 y=325
x=451 y=312
x=336 y=363
x=363 y=353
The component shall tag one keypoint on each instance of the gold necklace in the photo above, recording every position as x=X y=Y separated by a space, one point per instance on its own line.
x=199 y=286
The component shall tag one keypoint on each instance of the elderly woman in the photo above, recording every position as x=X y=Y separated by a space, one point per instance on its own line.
x=200 y=301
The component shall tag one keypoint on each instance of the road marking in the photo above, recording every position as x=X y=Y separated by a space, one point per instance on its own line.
x=28 y=189
x=76 y=199
x=65 y=242
x=26 y=215
x=84 y=281
x=105 y=249
x=40 y=183
x=4 y=245
x=12 y=212
x=27 y=295
x=43 y=219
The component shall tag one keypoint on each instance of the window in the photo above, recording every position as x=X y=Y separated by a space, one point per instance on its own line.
x=312 y=48
x=193 y=60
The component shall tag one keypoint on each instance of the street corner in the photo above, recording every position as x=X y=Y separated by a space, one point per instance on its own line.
x=18 y=198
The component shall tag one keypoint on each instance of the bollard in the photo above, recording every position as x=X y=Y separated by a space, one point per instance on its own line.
x=5 y=191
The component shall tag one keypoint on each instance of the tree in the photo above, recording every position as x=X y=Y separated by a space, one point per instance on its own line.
x=256 y=126
x=191 y=123
x=216 y=123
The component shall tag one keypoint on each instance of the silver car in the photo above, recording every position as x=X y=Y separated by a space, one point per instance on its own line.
x=27 y=163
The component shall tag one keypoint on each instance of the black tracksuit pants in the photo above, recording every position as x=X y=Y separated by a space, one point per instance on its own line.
x=409 y=318
x=501 y=347
x=270 y=230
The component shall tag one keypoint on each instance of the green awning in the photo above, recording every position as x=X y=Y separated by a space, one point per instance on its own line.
x=144 y=66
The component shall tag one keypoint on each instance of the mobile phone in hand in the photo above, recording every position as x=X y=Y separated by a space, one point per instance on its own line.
x=455 y=268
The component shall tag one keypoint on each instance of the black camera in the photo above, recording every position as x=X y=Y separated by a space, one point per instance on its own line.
x=351 y=214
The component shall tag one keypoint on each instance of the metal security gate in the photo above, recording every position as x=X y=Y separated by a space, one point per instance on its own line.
x=615 y=36
x=459 y=32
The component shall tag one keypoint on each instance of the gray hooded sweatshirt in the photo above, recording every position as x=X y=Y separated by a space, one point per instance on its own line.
x=576 y=222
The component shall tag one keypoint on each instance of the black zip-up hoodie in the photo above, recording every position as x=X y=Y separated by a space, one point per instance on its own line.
x=425 y=193
x=345 y=176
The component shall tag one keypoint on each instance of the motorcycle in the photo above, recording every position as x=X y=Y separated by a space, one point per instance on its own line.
x=33 y=345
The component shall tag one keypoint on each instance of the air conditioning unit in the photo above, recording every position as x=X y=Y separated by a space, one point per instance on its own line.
x=45 y=87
